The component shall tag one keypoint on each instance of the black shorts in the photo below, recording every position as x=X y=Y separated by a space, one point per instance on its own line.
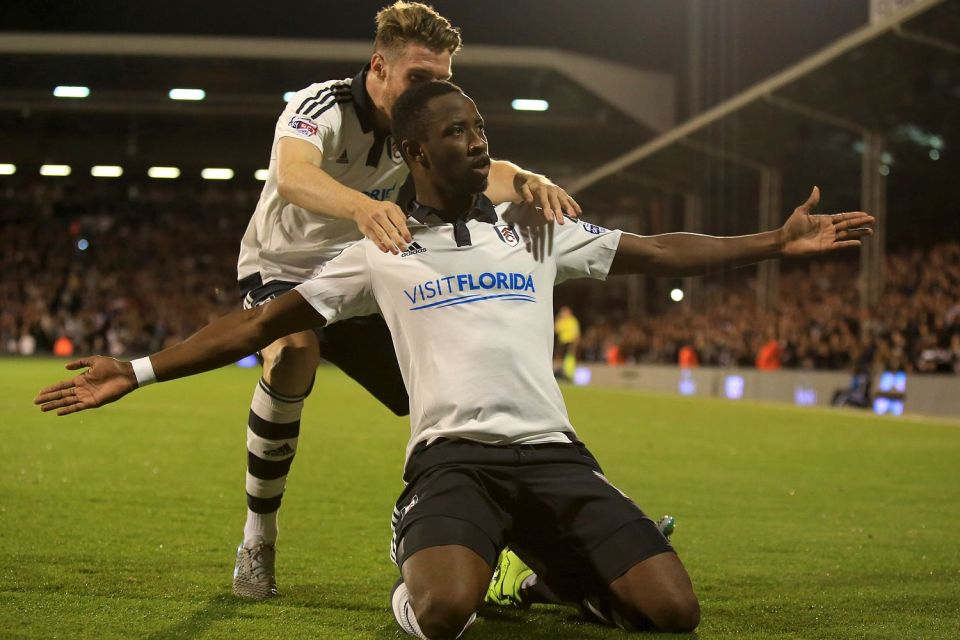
x=360 y=347
x=550 y=503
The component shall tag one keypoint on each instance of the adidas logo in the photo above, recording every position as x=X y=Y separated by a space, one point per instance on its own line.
x=342 y=159
x=412 y=249
x=283 y=450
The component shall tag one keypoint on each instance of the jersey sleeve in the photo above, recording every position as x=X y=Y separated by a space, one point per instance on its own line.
x=313 y=114
x=584 y=250
x=343 y=288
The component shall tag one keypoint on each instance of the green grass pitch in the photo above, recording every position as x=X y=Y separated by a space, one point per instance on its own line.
x=122 y=522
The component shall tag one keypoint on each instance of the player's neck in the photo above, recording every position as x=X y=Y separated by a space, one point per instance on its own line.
x=381 y=118
x=448 y=206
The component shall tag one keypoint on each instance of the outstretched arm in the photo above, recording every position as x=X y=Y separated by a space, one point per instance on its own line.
x=219 y=343
x=686 y=254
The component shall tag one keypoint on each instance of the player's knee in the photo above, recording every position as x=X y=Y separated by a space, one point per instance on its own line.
x=296 y=354
x=444 y=614
x=293 y=362
x=667 y=610
x=676 y=613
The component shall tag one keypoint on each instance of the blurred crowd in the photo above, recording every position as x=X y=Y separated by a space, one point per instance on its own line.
x=93 y=270
x=817 y=324
x=122 y=270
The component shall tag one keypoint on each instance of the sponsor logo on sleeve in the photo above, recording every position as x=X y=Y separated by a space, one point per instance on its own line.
x=594 y=229
x=304 y=126
x=507 y=234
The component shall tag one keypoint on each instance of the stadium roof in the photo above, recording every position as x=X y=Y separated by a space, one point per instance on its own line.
x=899 y=78
x=596 y=107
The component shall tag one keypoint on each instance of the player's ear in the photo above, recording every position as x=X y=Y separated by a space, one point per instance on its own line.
x=378 y=65
x=413 y=152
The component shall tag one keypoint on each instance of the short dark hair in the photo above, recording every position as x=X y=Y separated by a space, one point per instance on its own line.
x=408 y=118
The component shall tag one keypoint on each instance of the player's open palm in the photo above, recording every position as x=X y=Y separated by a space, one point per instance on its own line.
x=105 y=380
x=806 y=233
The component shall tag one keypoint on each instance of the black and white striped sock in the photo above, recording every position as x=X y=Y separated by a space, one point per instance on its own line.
x=273 y=429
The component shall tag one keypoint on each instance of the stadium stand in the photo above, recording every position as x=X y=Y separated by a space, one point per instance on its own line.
x=161 y=261
x=819 y=325
x=160 y=256
x=115 y=271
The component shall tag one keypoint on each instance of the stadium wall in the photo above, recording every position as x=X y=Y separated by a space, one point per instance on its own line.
x=937 y=395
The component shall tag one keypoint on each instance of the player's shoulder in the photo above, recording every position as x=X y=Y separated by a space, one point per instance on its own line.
x=506 y=208
x=523 y=219
x=580 y=225
x=351 y=259
x=321 y=100
x=524 y=214
x=378 y=260
x=414 y=226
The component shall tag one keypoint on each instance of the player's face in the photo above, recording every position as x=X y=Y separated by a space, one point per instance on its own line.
x=456 y=144
x=412 y=64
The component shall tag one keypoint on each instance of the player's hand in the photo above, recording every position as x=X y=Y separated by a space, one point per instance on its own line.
x=105 y=381
x=805 y=233
x=534 y=229
x=384 y=223
x=553 y=201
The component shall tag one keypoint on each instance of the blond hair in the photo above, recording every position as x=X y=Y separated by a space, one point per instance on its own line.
x=405 y=22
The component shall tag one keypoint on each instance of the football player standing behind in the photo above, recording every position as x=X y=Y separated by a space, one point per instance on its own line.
x=335 y=175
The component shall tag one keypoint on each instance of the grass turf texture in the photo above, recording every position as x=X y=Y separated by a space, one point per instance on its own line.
x=793 y=523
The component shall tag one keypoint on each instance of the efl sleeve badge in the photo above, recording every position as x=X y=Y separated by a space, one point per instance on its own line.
x=304 y=126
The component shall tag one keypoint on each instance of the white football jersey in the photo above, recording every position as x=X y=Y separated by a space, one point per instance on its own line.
x=286 y=242
x=471 y=314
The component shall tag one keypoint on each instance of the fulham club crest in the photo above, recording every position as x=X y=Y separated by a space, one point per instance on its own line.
x=507 y=234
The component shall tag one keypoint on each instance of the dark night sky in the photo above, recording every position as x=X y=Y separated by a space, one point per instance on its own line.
x=744 y=40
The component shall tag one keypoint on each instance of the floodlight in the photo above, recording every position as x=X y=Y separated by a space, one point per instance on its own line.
x=106 y=171
x=71 y=92
x=530 y=104
x=163 y=172
x=55 y=170
x=211 y=173
x=187 y=94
